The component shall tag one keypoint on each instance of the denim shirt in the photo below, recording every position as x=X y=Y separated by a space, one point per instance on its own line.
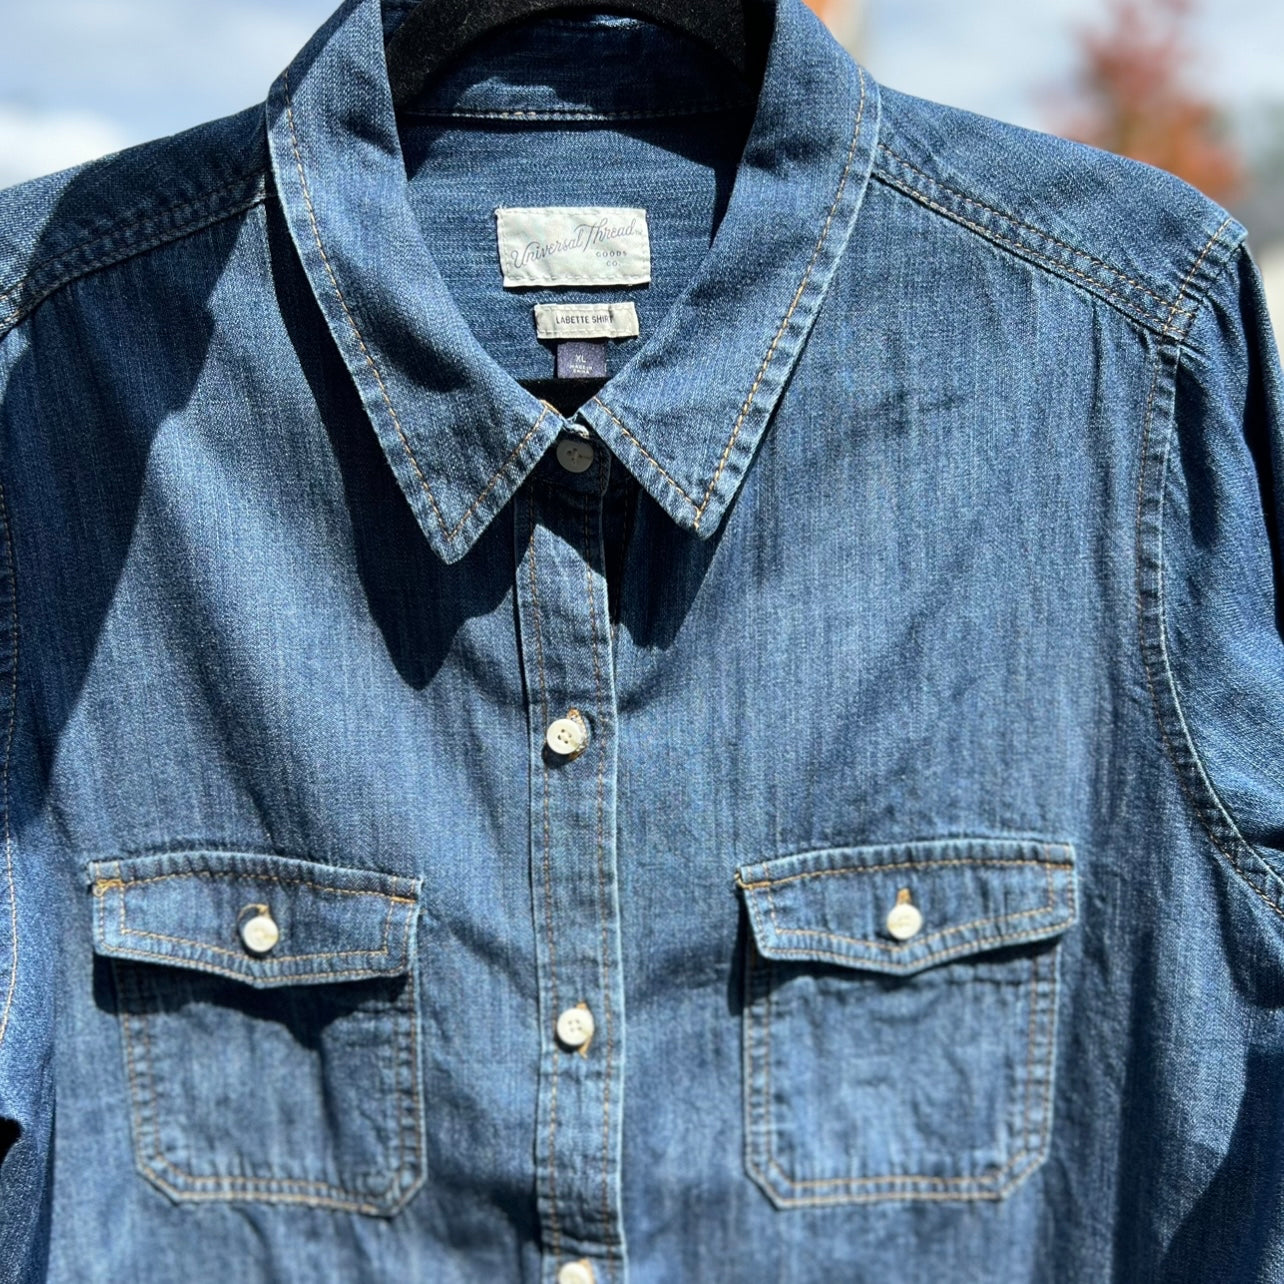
x=809 y=809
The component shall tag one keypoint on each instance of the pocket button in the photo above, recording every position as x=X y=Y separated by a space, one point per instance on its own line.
x=260 y=933
x=904 y=919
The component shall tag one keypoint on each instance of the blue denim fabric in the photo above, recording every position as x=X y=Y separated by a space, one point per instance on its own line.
x=923 y=870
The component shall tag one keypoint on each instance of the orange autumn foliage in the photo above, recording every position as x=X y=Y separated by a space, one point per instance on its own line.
x=1132 y=97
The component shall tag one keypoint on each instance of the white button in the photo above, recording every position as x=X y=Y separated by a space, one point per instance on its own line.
x=575 y=1027
x=576 y=1273
x=904 y=919
x=574 y=456
x=260 y=933
x=565 y=735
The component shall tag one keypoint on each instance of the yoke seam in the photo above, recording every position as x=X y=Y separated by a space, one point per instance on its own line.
x=132 y=248
x=1015 y=222
x=1007 y=238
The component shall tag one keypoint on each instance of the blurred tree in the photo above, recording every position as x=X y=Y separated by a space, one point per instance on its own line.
x=1131 y=96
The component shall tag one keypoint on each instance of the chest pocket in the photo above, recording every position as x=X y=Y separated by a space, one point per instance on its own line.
x=900 y=1018
x=268 y=1020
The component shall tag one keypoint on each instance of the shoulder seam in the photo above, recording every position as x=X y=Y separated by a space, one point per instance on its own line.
x=121 y=241
x=1215 y=268
x=1134 y=299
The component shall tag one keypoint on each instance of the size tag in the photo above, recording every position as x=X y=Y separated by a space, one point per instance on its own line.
x=586 y=320
x=581 y=359
x=573 y=245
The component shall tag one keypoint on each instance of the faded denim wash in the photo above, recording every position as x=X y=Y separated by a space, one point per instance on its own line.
x=923 y=869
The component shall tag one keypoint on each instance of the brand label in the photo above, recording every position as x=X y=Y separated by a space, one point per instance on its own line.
x=586 y=320
x=573 y=245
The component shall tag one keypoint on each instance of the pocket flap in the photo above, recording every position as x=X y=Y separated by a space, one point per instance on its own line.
x=943 y=897
x=188 y=908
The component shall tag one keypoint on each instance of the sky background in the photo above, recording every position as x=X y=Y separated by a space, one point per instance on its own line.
x=81 y=77
x=84 y=77
x=997 y=56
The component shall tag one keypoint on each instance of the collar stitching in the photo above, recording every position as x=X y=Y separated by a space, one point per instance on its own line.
x=699 y=509
x=370 y=361
x=568 y=113
x=503 y=468
x=448 y=533
x=654 y=462
x=771 y=351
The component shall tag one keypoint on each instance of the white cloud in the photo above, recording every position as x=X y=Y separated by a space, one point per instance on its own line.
x=34 y=142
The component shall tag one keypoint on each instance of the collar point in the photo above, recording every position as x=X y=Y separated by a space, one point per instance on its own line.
x=450 y=551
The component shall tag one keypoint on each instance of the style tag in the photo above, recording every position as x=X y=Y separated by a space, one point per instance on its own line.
x=573 y=245
x=586 y=320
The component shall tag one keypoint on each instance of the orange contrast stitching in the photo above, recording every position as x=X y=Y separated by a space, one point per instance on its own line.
x=271 y=963
x=815 y=254
x=917 y=941
x=449 y=534
x=877 y=869
x=1186 y=280
x=267 y=1189
x=654 y=462
x=771 y=350
x=1199 y=807
x=601 y=895
x=13 y=717
x=153 y=216
x=1038 y=231
x=1015 y=938
x=555 y=1232
x=933 y=1184
x=106 y=883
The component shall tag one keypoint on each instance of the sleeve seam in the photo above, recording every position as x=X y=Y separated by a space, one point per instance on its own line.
x=1216 y=818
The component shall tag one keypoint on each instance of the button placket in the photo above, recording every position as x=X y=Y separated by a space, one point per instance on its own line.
x=565 y=638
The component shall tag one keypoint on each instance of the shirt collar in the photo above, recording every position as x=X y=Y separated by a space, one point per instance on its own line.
x=686 y=411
